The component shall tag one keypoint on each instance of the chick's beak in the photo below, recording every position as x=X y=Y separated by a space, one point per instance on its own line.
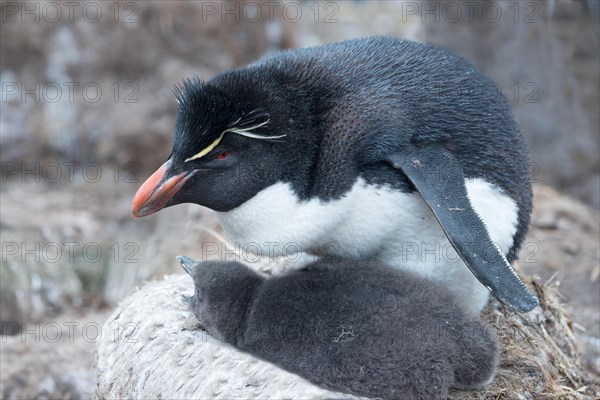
x=187 y=264
x=156 y=192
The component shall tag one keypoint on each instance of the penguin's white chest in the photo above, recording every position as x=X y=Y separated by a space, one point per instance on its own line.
x=372 y=222
x=354 y=226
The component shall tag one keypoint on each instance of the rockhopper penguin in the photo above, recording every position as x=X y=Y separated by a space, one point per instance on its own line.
x=350 y=326
x=373 y=148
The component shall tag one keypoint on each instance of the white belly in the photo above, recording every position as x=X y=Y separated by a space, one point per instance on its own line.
x=372 y=222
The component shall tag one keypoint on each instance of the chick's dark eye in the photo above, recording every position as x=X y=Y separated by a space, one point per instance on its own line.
x=222 y=155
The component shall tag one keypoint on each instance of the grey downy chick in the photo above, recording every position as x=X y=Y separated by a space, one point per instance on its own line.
x=353 y=327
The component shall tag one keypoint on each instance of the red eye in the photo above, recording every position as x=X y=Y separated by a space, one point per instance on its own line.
x=222 y=155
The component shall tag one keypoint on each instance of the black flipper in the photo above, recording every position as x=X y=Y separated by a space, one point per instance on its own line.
x=439 y=179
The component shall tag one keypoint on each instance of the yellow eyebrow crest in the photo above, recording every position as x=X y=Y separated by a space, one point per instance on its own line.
x=247 y=132
x=207 y=149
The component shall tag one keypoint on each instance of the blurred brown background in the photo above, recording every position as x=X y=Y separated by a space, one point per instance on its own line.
x=87 y=114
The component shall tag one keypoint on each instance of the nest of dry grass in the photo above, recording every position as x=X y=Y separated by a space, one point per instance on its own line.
x=539 y=358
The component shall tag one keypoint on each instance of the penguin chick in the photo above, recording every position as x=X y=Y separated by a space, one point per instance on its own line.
x=368 y=330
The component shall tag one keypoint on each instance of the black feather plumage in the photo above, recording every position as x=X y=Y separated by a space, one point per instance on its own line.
x=343 y=107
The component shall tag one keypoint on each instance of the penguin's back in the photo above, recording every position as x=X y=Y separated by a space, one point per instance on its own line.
x=378 y=94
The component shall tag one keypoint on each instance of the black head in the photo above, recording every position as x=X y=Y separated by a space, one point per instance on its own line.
x=234 y=136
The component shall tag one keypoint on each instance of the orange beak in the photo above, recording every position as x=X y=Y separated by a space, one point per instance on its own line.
x=156 y=192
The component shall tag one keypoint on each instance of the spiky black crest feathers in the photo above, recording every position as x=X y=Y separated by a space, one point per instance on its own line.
x=207 y=112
